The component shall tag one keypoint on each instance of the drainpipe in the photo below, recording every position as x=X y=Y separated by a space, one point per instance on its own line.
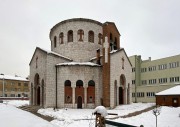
x=56 y=87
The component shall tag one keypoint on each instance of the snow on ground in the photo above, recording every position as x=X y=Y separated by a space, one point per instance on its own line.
x=11 y=116
x=16 y=103
x=169 y=117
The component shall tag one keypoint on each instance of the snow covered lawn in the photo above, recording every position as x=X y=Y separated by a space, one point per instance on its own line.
x=10 y=116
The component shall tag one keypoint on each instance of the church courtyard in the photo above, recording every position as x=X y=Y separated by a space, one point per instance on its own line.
x=169 y=117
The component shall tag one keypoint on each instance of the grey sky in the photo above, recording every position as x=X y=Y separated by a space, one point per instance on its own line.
x=150 y=28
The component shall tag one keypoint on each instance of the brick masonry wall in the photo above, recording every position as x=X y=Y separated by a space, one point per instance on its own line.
x=108 y=29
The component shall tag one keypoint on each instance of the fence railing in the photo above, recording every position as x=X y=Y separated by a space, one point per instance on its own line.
x=116 y=124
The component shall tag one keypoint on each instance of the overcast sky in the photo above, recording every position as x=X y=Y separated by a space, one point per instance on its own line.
x=150 y=28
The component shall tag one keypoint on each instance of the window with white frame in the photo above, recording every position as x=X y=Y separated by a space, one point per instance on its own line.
x=174 y=79
x=162 y=80
x=152 y=68
x=162 y=66
x=152 y=81
x=174 y=64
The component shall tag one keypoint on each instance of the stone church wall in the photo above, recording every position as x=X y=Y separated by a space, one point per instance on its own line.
x=77 y=50
x=116 y=71
x=75 y=73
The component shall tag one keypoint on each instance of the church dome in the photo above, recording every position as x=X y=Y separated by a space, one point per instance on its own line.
x=77 y=38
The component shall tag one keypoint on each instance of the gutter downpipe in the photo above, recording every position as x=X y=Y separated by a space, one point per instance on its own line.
x=56 y=87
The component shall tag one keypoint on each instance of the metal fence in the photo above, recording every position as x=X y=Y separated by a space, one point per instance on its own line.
x=116 y=124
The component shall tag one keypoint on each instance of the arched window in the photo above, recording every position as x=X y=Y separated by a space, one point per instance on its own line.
x=79 y=83
x=91 y=92
x=80 y=35
x=67 y=83
x=91 y=83
x=100 y=38
x=91 y=36
x=61 y=36
x=55 y=41
x=67 y=92
x=70 y=36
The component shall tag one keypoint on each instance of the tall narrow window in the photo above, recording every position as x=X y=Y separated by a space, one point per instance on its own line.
x=100 y=38
x=91 y=36
x=80 y=35
x=61 y=35
x=70 y=36
x=36 y=62
x=122 y=62
x=115 y=44
x=55 y=41
x=111 y=42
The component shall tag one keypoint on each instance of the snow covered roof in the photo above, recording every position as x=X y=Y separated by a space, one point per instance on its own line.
x=78 y=63
x=51 y=52
x=171 y=91
x=13 y=78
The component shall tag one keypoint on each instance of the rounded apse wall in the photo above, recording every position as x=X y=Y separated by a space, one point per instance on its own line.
x=77 y=38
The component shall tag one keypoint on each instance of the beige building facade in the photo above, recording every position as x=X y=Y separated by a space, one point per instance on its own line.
x=13 y=86
x=152 y=76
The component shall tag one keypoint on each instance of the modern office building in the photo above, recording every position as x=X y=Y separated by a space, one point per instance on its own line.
x=152 y=76
x=13 y=86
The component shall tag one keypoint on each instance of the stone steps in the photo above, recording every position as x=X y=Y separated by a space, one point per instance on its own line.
x=33 y=110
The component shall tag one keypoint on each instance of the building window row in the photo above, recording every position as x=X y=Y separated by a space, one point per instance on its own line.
x=174 y=64
x=143 y=69
x=152 y=68
x=152 y=81
x=160 y=67
x=174 y=79
x=142 y=94
x=162 y=80
x=80 y=34
x=150 y=94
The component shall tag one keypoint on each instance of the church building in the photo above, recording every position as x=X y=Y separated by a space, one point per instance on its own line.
x=86 y=67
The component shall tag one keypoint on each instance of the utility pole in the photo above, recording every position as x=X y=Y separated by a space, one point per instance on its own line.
x=3 y=86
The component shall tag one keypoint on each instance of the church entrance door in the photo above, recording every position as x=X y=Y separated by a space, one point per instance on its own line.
x=120 y=95
x=79 y=102
x=38 y=96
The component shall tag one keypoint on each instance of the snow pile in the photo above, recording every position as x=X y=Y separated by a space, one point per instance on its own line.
x=14 y=117
x=101 y=110
x=16 y=103
x=169 y=117
x=126 y=109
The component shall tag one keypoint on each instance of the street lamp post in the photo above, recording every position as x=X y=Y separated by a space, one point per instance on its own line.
x=3 y=86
